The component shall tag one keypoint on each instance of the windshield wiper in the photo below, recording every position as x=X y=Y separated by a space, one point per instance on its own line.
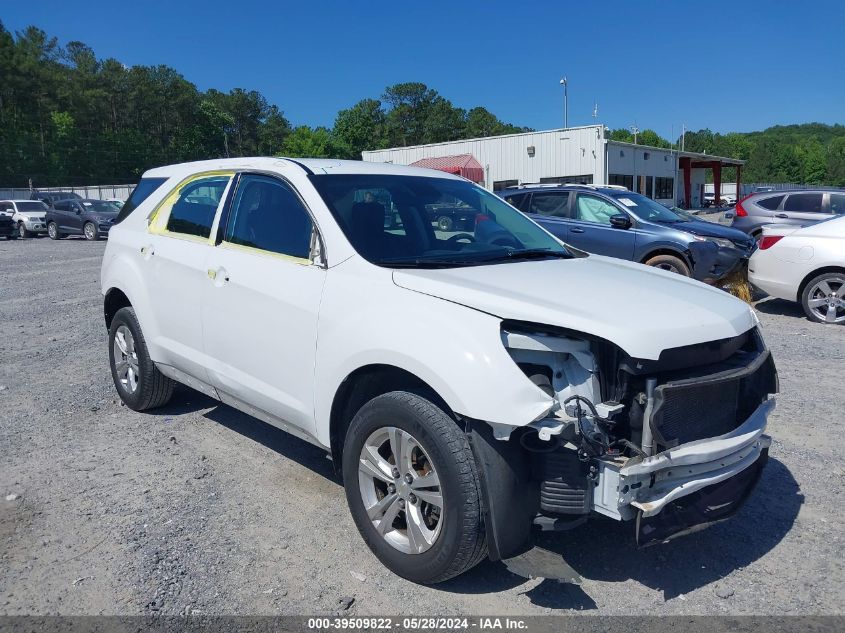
x=532 y=253
x=426 y=263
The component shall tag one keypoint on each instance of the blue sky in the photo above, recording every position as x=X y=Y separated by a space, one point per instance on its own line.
x=729 y=66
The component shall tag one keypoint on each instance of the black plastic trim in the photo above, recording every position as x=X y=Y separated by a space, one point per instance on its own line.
x=509 y=500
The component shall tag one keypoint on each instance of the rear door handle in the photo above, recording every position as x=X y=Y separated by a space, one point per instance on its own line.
x=781 y=215
x=575 y=229
x=218 y=275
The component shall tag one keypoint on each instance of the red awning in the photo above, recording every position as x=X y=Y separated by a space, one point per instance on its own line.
x=462 y=164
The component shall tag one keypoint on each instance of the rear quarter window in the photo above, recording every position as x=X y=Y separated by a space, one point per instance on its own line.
x=771 y=203
x=143 y=191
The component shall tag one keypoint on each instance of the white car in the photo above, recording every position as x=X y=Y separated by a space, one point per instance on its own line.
x=28 y=215
x=471 y=389
x=806 y=265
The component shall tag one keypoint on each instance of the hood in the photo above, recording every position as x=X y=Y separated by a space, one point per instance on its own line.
x=33 y=215
x=642 y=310
x=711 y=229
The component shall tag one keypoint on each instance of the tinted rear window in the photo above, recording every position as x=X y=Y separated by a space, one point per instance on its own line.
x=146 y=187
x=770 y=203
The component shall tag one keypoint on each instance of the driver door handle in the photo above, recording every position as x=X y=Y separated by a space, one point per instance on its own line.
x=781 y=215
x=576 y=229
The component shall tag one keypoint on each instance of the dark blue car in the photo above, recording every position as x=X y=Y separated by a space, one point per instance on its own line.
x=620 y=223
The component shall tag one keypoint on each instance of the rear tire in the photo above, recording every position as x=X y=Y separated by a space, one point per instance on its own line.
x=138 y=381
x=823 y=298
x=669 y=263
x=454 y=538
x=445 y=223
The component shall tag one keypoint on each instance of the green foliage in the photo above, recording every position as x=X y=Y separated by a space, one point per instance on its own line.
x=307 y=142
x=67 y=117
x=810 y=153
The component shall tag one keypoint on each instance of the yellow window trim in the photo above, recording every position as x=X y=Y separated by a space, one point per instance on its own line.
x=303 y=261
x=160 y=215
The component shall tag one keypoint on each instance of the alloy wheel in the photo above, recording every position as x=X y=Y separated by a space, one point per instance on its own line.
x=125 y=359
x=89 y=231
x=826 y=299
x=400 y=490
x=669 y=267
x=51 y=230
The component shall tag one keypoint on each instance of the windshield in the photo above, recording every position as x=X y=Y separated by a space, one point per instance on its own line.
x=417 y=221
x=646 y=208
x=99 y=206
x=31 y=205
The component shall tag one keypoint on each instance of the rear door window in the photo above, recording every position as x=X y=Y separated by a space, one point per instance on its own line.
x=804 y=203
x=837 y=203
x=516 y=200
x=189 y=210
x=770 y=203
x=550 y=204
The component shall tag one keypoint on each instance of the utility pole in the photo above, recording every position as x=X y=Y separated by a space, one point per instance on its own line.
x=634 y=130
x=595 y=110
x=565 y=84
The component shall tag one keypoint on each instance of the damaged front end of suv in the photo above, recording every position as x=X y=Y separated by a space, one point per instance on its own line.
x=673 y=444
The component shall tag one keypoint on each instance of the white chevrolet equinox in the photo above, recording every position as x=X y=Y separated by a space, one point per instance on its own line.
x=473 y=386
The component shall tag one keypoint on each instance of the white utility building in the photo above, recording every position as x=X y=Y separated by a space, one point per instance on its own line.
x=569 y=155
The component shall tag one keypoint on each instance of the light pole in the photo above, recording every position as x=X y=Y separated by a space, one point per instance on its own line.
x=565 y=84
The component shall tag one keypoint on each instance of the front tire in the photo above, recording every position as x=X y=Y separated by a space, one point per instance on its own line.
x=823 y=298
x=669 y=263
x=138 y=381
x=413 y=489
x=90 y=232
x=22 y=231
x=53 y=231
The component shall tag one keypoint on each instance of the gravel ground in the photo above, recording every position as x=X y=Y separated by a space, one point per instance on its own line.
x=197 y=508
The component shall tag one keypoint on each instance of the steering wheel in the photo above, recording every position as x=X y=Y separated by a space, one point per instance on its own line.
x=461 y=236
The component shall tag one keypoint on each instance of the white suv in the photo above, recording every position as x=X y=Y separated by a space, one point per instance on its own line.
x=28 y=216
x=472 y=386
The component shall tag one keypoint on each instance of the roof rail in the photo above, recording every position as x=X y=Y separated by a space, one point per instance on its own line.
x=534 y=185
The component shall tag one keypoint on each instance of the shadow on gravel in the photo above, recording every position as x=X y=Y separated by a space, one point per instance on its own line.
x=187 y=400
x=771 y=305
x=601 y=550
x=604 y=550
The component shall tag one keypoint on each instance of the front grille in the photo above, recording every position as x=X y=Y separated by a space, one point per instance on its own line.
x=713 y=404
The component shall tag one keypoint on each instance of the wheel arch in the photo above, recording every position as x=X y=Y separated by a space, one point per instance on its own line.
x=114 y=300
x=810 y=276
x=672 y=252
x=364 y=384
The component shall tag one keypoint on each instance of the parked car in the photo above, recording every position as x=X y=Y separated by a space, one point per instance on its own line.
x=91 y=218
x=793 y=208
x=725 y=200
x=49 y=197
x=7 y=226
x=806 y=265
x=468 y=391
x=620 y=223
x=27 y=216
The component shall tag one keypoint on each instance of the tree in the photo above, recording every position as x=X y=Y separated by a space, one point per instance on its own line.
x=307 y=142
x=359 y=128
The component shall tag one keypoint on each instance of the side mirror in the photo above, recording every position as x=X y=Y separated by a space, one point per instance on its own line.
x=620 y=221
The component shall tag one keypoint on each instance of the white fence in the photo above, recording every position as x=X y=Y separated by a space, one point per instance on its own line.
x=94 y=192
